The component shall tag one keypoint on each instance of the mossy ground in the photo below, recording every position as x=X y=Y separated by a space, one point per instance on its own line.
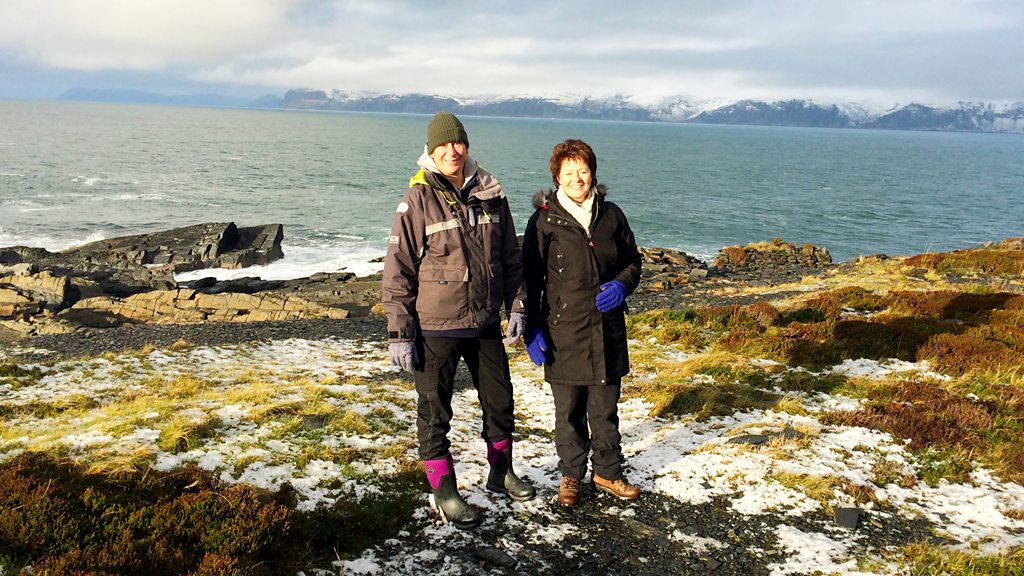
x=116 y=513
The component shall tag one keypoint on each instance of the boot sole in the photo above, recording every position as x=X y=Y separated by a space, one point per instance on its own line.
x=614 y=493
x=498 y=490
x=459 y=525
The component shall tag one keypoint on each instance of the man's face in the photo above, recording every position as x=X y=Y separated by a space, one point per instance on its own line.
x=450 y=157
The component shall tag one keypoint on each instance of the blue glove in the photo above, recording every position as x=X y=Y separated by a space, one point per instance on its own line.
x=536 y=345
x=403 y=355
x=611 y=296
x=516 y=327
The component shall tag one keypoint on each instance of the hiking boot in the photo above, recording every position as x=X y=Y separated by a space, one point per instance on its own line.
x=501 y=478
x=618 y=488
x=445 y=497
x=569 y=491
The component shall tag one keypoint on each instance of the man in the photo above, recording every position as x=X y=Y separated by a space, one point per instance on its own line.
x=453 y=262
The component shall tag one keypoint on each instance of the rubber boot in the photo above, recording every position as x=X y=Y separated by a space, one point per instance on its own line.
x=445 y=496
x=502 y=479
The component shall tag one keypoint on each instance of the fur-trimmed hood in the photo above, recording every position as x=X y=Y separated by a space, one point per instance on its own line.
x=544 y=197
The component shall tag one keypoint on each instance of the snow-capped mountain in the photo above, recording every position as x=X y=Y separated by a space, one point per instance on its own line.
x=959 y=117
x=964 y=116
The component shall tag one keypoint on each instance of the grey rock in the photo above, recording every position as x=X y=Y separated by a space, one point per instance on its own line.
x=791 y=434
x=847 y=517
x=207 y=245
x=495 y=556
x=752 y=439
x=710 y=563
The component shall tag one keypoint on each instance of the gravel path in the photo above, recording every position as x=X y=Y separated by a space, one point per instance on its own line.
x=95 y=341
x=654 y=535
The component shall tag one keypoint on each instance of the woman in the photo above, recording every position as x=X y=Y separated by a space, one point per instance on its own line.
x=580 y=261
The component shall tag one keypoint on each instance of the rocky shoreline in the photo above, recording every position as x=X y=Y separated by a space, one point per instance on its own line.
x=119 y=294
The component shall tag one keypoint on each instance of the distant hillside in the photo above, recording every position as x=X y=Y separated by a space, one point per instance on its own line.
x=143 y=97
x=423 y=104
x=965 y=117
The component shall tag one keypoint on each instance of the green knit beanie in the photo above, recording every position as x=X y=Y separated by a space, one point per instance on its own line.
x=444 y=127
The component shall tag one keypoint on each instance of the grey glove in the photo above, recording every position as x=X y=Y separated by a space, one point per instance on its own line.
x=516 y=328
x=403 y=355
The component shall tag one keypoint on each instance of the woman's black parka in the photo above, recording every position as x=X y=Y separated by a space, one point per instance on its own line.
x=564 y=268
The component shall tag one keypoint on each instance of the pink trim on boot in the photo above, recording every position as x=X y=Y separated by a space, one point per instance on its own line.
x=437 y=469
x=494 y=449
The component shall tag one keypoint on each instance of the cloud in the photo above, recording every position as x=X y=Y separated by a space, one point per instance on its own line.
x=938 y=49
x=139 y=35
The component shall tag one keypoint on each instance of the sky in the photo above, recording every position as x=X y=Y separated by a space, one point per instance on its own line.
x=890 y=52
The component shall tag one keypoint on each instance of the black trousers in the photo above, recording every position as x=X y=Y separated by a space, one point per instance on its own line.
x=488 y=366
x=587 y=419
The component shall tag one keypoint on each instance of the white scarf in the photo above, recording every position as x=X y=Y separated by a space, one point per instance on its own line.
x=582 y=212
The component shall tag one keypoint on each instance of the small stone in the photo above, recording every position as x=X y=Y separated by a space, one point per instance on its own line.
x=847 y=517
x=791 y=434
x=495 y=556
x=752 y=439
x=312 y=422
x=710 y=563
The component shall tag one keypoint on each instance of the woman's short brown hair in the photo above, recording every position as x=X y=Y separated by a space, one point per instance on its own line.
x=572 y=149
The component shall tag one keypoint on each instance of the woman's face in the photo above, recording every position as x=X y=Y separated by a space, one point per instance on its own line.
x=574 y=177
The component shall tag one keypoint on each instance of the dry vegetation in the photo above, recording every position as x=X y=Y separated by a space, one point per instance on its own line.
x=968 y=332
x=70 y=521
x=121 y=517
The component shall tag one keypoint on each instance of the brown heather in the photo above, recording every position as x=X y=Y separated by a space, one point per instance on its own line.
x=64 y=520
x=923 y=413
x=973 y=262
x=977 y=337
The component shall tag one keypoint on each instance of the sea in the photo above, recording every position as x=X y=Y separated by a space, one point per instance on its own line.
x=72 y=173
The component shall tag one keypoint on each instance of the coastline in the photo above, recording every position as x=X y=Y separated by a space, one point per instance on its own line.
x=716 y=290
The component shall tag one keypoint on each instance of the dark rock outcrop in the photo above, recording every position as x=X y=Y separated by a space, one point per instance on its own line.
x=212 y=245
x=663 y=268
x=130 y=280
x=773 y=255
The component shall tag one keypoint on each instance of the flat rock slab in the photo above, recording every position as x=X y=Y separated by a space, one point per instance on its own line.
x=787 y=433
x=847 y=517
x=209 y=245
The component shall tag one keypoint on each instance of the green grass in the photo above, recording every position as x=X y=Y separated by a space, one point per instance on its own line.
x=15 y=375
x=929 y=559
x=183 y=433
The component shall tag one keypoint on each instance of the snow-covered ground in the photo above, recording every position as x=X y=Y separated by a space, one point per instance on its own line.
x=680 y=458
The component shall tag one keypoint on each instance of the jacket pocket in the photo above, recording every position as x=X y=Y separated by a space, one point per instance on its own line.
x=443 y=293
x=556 y=314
